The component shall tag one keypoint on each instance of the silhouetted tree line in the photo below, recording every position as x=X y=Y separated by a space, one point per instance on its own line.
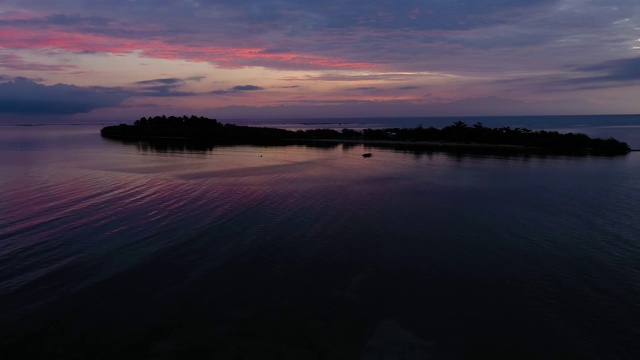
x=183 y=127
x=460 y=132
x=202 y=128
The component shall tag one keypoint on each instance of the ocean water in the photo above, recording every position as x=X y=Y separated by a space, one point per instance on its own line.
x=111 y=249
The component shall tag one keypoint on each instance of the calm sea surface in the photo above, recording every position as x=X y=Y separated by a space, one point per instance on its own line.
x=112 y=250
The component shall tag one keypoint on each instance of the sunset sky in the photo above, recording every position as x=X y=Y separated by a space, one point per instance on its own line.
x=94 y=60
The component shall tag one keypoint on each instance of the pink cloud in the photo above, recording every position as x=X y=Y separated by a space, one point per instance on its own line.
x=223 y=57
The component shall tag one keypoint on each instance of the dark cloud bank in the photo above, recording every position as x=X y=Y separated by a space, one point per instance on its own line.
x=610 y=73
x=24 y=96
x=236 y=90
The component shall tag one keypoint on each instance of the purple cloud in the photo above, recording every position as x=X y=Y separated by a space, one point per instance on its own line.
x=15 y=62
x=237 y=90
x=167 y=81
x=619 y=70
x=247 y=88
x=164 y=87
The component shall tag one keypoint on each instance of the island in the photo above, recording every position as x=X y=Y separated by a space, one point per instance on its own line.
x=459 y=136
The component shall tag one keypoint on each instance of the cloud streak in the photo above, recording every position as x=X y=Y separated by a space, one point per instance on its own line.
x=237 y=90
x=247 y=88
x=610 y=73
x=231 y=57
x=15 y=62
x=165 y=87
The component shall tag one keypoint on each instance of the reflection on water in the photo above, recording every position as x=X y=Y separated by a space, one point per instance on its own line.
x=257 y=251
x=459 y=151
x=173 y=145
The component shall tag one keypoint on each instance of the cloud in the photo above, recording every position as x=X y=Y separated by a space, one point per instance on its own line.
x=58 y=19
x=237 y=90
x=611 y=73
x=165 y=87
x=165 y=46
x=167 y=81
x=370 y=13
x=276 y=51
x=170 y=81
x=358 y=34
x=24 y=96
x=247 y=88
x=15 y=62
x=603 y=75
x=370 y=76
x=164 y=91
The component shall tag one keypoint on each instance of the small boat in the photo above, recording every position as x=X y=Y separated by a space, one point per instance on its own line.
x=367 y=155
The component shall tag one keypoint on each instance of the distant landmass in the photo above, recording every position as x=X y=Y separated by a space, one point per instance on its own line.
x=459 y=136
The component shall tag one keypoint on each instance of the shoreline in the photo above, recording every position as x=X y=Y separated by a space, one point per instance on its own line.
x=457 y=137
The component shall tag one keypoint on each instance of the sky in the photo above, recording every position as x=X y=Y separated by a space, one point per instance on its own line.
x=119 y=60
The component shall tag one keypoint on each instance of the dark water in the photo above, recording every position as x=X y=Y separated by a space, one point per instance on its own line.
x=252 y=252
